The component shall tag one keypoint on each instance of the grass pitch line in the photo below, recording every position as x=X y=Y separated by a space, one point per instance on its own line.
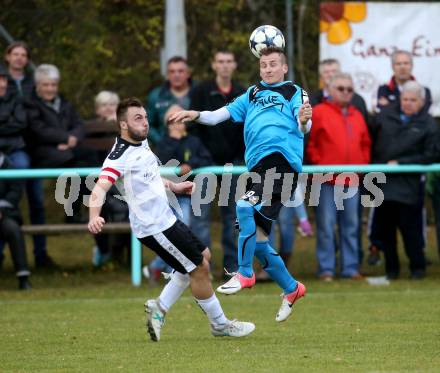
x=318 y=294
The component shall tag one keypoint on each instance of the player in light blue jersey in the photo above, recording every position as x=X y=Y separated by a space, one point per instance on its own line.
x=276 y=115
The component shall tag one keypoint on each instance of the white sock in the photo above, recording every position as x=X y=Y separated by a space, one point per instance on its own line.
x=214 y=311
x=173 y=290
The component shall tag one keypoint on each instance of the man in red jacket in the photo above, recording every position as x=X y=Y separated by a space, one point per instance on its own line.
x=339 y=136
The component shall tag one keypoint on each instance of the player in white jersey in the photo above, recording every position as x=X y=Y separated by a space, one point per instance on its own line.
x=135 y=169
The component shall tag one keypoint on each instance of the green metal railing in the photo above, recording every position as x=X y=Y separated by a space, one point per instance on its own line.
x=136 y=249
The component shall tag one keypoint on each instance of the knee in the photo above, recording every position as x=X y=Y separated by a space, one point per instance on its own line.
x=262 y=248
x=10 y=229
x=202 y=271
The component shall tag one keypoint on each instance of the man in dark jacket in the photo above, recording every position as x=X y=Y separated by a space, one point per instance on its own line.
x=402 y=65
x=403 y=134
x=327 y=69
x=13 y=122
x=225 y=143
x=12 y=118
x=21 y=83
x=10 y=221
x=175 y=91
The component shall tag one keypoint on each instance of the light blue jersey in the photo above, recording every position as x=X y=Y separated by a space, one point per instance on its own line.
x=269 y=113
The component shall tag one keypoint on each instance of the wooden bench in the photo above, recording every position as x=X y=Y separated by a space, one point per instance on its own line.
x=58 y=229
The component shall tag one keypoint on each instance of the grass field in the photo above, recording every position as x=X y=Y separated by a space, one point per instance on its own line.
x=77 y=320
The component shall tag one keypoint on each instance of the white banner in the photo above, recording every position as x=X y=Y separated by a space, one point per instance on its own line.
x=363 y=35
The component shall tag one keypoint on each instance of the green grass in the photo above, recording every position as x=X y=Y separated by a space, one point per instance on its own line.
x=77 y=320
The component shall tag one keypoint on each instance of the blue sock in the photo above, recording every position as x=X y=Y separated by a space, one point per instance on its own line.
x=274 y=266
x=246 y=237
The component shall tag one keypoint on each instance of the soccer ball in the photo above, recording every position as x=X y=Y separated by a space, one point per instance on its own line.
x=265 y=36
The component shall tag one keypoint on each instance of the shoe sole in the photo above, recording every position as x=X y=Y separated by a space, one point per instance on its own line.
x=149 y=325
x=218 y=290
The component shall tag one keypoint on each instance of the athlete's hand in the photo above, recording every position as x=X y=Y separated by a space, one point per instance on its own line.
x=185 y=187
x=305 y=112
x=184 y=116
x=95 y=225
x=383 y=101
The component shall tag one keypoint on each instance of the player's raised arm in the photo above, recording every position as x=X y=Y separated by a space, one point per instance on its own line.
x=210 y=118
x=305 y=116
x=97 y=198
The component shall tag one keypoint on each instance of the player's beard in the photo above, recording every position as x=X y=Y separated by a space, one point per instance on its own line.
x=137 y=135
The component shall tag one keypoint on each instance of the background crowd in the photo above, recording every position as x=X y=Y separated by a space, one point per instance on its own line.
x=39 y=128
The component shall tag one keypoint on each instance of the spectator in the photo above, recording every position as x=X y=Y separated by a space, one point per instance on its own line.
x=106 y=103
x=404 y=134
x=402 y=65
x=10 y=221
x=21 y=83
x=339 y=136
x=389 y=94
x=189 y=151
x=225 y=143
x=54 y=125
x=12 y=121
x=54 y=132
x=100 y=134
x=327 y=69
x=174 y=91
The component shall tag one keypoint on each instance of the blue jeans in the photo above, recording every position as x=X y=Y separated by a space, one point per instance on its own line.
x=436 y=207
x=327 y=216
x=35 y=194
x=201 y=226
x=286 y=226
x=185 y=217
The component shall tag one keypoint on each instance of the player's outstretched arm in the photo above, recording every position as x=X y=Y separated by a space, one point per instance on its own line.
x=97 y=198
x=185 y=187
x=210 y=118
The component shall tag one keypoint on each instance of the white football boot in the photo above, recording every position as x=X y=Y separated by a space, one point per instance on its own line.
x=155 y=319
x=288 y=302
x=234 y=328
x=236 y=283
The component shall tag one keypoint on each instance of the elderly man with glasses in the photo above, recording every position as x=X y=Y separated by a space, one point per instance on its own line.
x=339 y=136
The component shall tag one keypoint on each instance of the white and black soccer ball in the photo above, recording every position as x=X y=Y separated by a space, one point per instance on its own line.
x=265 y=36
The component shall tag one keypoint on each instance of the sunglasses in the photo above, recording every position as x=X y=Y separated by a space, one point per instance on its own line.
x=345 y=89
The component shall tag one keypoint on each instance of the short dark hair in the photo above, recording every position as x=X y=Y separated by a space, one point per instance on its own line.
x=16 y=44
x=269 y=50
x=176 y=59
x=329 y=61
x=123 y=107
x=222 y=51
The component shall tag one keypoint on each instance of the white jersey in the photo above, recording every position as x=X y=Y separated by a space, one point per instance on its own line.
x=135 y=170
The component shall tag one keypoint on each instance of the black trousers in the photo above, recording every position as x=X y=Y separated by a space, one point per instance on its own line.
x=391 y=216
x=11 y=233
